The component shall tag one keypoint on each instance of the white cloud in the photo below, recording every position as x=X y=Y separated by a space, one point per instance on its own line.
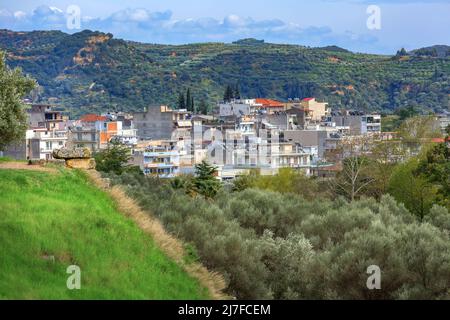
x=5 y=14
x=143 y=25
x=56 y=10
x=20 y=15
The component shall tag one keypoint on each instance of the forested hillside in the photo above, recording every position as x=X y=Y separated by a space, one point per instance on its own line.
x=92 y=71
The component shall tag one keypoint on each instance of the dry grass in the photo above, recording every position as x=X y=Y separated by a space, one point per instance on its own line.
x=171 y=246
x=25 y=166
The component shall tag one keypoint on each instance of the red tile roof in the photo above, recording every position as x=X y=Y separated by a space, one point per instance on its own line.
x=440 y=140
x=92 y=118
x=308 y=99
x=269 y=103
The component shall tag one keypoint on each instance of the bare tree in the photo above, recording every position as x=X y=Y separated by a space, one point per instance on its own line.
x=353 y=178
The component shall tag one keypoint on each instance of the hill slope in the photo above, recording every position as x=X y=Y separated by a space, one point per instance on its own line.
x=91 y=71
x=49 y=221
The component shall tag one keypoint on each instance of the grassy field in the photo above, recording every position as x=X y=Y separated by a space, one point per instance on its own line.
x=49 y=221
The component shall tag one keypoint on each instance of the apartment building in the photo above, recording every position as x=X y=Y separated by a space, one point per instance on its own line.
x=41 y=142
x=44 y=116
x=246 y=107
x=84 y=136
x=236 y=108
x=357 y=122
x=158 y=122
x=443 y=120
x=96 y=132
x=269 y=106
x=85 y=133
x=162 y=159
x=47 y=130
x=308 y=138
x=291 y=155
x=316 y=110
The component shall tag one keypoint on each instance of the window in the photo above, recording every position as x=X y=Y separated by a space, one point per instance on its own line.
x=48 y=145
x=79 y=136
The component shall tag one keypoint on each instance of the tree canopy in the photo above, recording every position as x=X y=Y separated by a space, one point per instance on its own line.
x=14 y=86
x=272 y=245
x=113 y=159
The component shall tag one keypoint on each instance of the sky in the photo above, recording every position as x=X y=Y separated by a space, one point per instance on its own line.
x=372 y=26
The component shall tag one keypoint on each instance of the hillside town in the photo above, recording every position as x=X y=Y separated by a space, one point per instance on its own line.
x=224 y=158
x=239 y=136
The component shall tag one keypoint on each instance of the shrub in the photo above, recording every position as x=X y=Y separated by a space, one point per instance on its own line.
x=113 y=159
x=271 y=245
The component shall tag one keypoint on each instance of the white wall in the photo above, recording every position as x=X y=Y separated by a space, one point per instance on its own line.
x=237 y=109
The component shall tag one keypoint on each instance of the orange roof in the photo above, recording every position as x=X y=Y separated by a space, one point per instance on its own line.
x=92 y=118
x=440 y=140
x=269 y=103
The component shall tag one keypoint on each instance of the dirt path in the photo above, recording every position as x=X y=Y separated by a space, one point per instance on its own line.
x=25 y=166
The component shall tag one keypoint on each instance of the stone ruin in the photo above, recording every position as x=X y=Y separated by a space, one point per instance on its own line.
x=78 y=158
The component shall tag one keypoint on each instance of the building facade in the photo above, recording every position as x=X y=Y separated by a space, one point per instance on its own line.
x=162 y=159
x=158 y=122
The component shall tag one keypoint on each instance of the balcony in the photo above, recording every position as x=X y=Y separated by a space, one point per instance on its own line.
x=159 y=165
x=159 y=154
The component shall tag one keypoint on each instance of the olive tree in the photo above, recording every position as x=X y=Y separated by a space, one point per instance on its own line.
x=13 y=88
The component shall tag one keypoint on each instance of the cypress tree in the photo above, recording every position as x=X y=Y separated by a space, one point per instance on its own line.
x=181 y=102
x=203 y=107
x=188 y=100
x=237 y=93
x=229 y=95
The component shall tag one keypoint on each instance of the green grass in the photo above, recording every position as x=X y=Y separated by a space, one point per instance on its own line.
x=9 y=159
x=63 y=215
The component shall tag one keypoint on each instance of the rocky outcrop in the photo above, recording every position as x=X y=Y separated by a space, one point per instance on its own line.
x=87 y=164
x=79 y=158
x=77 y=153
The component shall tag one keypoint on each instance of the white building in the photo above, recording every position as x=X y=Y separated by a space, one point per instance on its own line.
x=162 y=159
x=126 y=137
x=235 y=108
x=41 y=142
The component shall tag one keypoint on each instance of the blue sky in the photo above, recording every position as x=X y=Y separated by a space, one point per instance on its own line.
x=404 y=23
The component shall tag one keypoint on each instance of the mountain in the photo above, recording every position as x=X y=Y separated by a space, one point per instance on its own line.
x=92 y=71
x=441 y=51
